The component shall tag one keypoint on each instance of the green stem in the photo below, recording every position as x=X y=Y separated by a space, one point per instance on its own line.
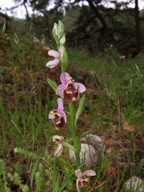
x=73 y=132
x=72 y=122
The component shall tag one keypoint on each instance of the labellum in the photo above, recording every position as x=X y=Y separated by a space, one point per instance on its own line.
x=59 y=121
x=70 y=93
x=84 y=182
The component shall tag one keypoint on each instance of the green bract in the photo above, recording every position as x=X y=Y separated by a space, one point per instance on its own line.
x=52 y=84
x=64 y=60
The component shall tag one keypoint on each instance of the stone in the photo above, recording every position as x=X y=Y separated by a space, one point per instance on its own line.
x=88 y=155
x=91 y=147
x=96 y=142
x=93 y=140
x=134 y=184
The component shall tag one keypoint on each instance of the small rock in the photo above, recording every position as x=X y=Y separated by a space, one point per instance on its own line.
x=135 y=184
x=142 y=163
x=91 y=146
x=88 y=155
x=95 y=141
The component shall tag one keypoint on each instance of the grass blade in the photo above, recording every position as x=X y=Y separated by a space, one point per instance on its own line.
x=33 y=171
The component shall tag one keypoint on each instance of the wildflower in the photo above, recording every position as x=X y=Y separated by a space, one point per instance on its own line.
x=83 y=180
x=58 y=115
x=57 y=55
x=58 y=139
x=69 y=88
x=122 y=57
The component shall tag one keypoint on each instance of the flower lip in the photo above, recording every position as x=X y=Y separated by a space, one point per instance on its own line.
x=70 y=93
x=59 y=120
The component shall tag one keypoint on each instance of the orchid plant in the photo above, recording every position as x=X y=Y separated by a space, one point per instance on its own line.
x=68 y=92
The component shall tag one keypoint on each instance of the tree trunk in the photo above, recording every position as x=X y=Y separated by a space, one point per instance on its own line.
x=137 y=28
x=105 y=27
x=5 y=16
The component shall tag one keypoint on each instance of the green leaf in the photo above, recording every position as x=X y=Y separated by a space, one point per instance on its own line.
x=80 y=108
x=57 y=184
x=2 y=167
x=16 y=39
x=52 y=84
x=55 y=177
x=26 y=153
x=68 y=145
x=1 y=69
x=64 y=60
x=4 y=27
x=65 y=163
x=18 y=168
x=33 y=172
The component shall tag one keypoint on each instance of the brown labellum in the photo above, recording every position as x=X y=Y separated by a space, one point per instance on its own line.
x=59 y=121
x=70 y=93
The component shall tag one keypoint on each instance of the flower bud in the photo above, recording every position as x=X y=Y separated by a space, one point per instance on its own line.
x=62 y=40
x=55 y=32
x=60 y=29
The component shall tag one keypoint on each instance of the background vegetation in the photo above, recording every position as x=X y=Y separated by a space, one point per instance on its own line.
x=92 y=24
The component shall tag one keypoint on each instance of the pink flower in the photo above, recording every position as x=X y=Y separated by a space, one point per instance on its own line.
x=56 y=55
x=83 y=180
x=69 y=88
x=58 y=115
x=58 y=139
